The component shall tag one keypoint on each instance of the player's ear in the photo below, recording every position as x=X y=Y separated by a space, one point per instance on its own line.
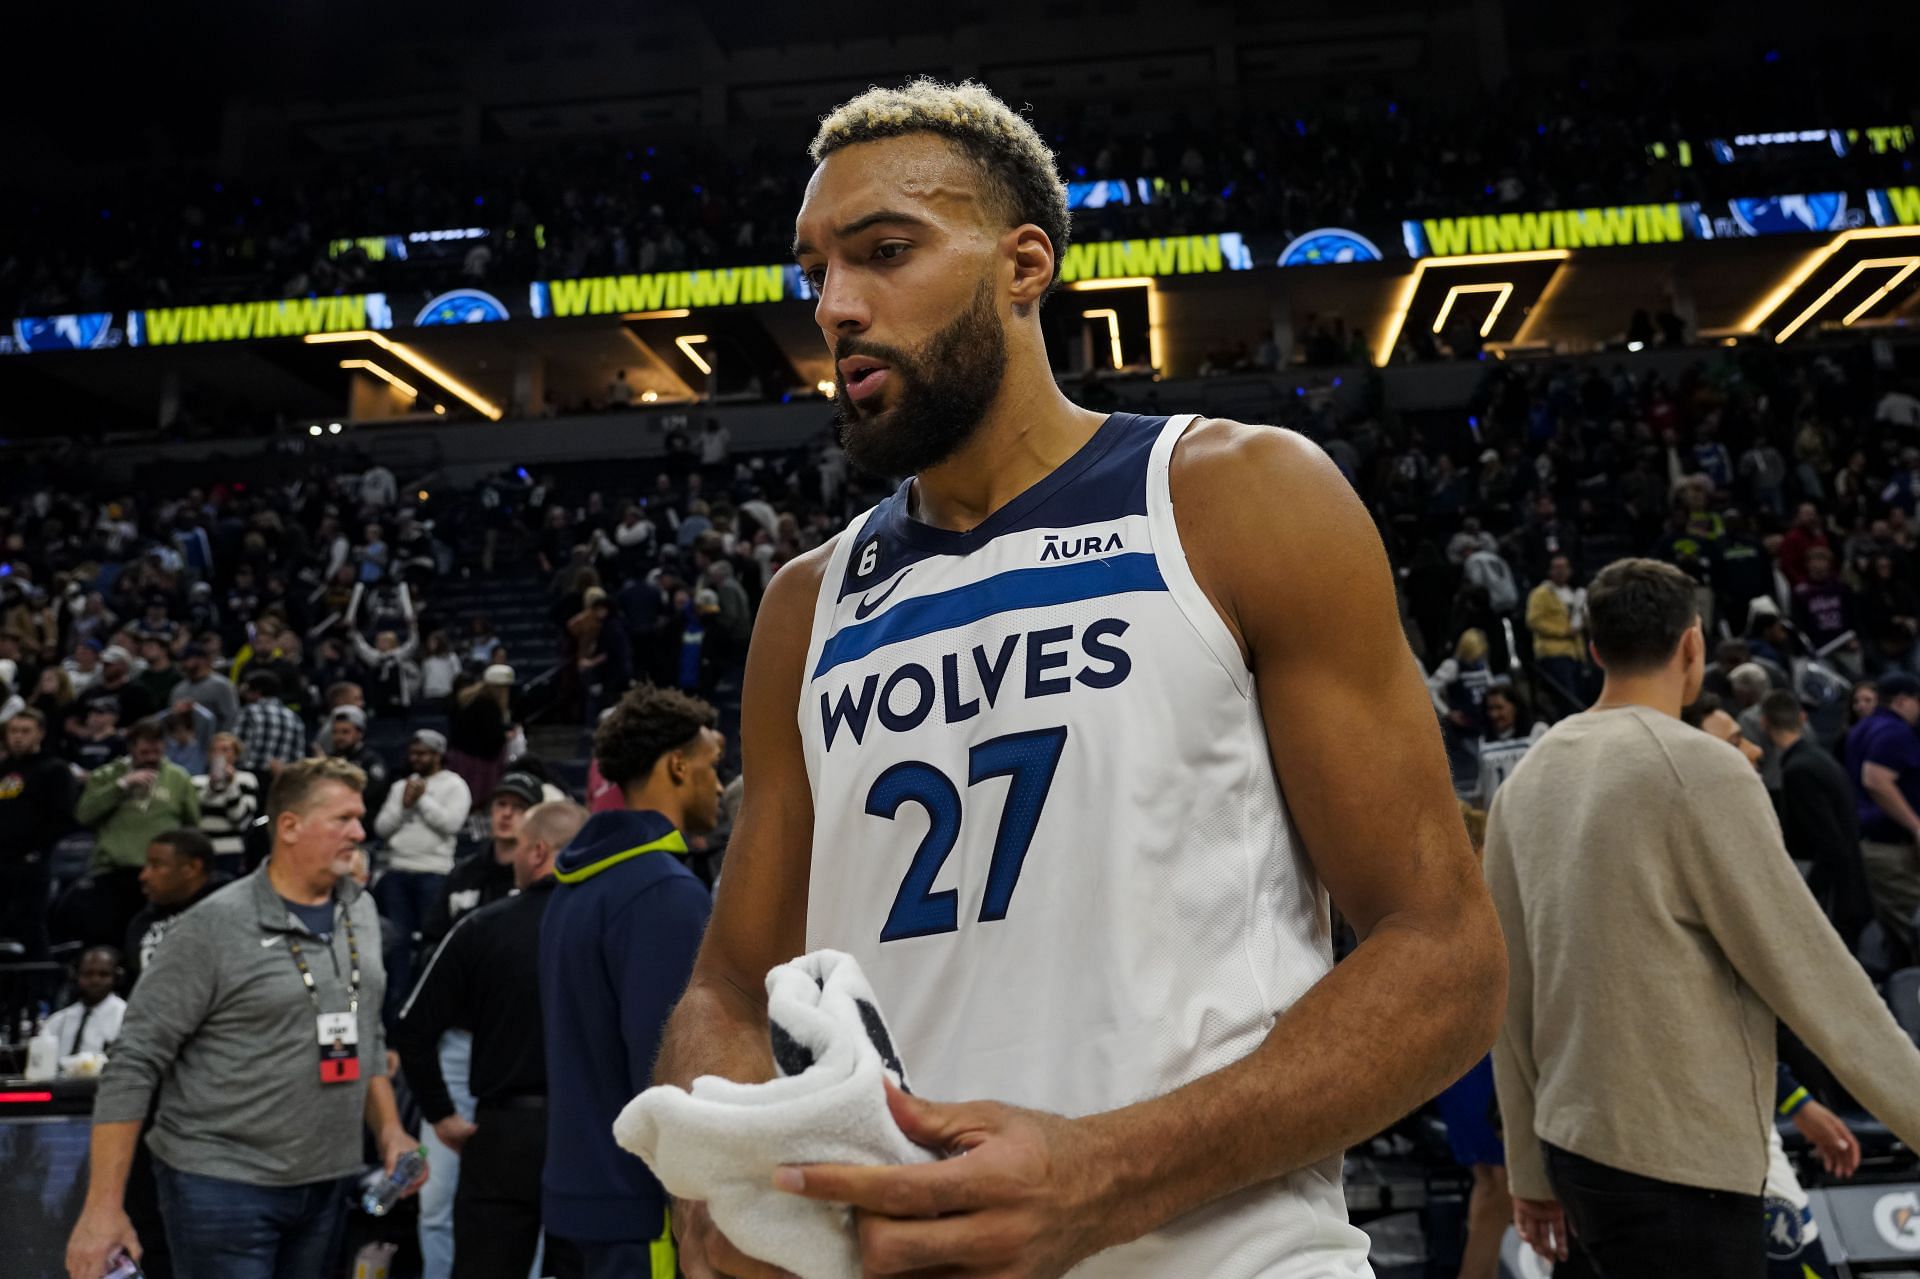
x=1033 y=265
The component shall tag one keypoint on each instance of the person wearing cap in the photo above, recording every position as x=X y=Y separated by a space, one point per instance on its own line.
x=1883 y=763
x=271 y=734
x=347 y=739
x=419 y=821
x=116 y=681
x=482 y=985
x=200 y=682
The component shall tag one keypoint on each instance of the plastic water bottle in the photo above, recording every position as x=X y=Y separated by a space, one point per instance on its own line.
x=383 y=1194
x=122 y=1267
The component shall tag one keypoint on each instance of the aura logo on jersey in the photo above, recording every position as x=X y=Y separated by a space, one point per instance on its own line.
x=1327 y=245
x=1053 y=547
x=961 y=685
x=462 y=306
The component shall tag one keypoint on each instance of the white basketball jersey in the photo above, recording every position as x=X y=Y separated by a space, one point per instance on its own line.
x=1046 y=823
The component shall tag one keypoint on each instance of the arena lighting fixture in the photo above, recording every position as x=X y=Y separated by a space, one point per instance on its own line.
x=1397 y=316
x=333 y=428
x=383 y=375
x=440 y=410
x=826 y=387
x=1906 y=265
x=314 y=429
x=649 y=396
x=686 y=342
x=421 y=364
x=1504 y=290
x=1813 y=262
x=680 y=314
x=1153 y=307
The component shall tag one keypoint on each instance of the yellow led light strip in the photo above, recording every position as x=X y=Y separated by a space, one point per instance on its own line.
x=1499 y=303
x=383 y=375
x=427 y=368
x=680 y=313
x=1153 y=307
x=1112 y=318
x=1813 y=262
x=686 y=342
x=1397 y=316
x=1852 y=273
x=1912 y=264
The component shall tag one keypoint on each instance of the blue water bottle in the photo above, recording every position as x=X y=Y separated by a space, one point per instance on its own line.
x=383 y=1194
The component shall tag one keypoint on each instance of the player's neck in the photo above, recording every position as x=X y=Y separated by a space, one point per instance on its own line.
x=659 y=799
x=310 y=889
x=1660 y=691
x=1030 y=429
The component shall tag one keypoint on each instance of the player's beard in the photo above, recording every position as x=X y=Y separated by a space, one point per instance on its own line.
x=939 y=394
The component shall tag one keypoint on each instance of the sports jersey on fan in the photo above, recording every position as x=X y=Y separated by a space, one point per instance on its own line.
x=1046 y=823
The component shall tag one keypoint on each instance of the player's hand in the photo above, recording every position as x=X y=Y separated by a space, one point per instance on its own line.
x=1542 y=1224
x=1024 y=1201
x=453 y=1132
x=1838 y=1148
x=705 y=1253
x=97 y=1236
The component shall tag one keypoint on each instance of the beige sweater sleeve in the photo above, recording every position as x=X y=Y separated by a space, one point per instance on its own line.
x=1766 y=921
x=1516 y=1075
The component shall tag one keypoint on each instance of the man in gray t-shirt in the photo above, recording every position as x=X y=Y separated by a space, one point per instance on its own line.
x=200 y=684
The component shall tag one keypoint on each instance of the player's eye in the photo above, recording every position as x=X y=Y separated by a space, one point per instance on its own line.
x=891 y=250
x=816 y=276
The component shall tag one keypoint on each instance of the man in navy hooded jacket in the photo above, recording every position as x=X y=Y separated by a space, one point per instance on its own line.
x=616 y=950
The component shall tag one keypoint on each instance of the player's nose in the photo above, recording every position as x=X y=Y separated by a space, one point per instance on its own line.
x=842 y=306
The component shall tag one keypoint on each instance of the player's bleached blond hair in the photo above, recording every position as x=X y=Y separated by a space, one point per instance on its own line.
x=1016 y=162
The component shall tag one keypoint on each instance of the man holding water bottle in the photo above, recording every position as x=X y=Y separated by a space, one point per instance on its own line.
x=258 y=1026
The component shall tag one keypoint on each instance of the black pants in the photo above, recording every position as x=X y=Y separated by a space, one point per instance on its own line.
x=496 y=1210
x=1625 y=1226
x=24 y=888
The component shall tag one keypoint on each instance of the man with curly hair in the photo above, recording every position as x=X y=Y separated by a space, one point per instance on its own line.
x=616 y=946
x=1068 y=742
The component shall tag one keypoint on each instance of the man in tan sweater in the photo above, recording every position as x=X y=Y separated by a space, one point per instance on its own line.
x=1655 y=927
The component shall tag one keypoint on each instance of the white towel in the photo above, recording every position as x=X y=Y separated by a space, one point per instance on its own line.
x=722 y=1142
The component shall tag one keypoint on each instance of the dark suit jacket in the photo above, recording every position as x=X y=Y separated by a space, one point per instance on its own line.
x=1818 y=820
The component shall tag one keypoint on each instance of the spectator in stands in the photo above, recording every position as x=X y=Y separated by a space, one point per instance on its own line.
x=1557 y=616
x=270 y=734
x=116 y=682
x=1763 y=471
x=83 y=668
x=1750 y=683
x=1808 y=532
x=486 y=976
x=36 y=809
x=229 y=798
x=91 y=1023
x=1889 y=615
x=1818 y=820
x=1742 y=571
x=1883 y=764
x=158 y=675
x=257 y=1136
x=616 y=949
x=347 y=739
x=189 y=733
x=1632 y=1108
x=1510 y=733
x=200 y=682
x=95 y=740
x=178 y=873
x=1459 y=690
x=477 y=734
x=439 y=668
x=53 y=695
x=129 y=803
x=420 y=821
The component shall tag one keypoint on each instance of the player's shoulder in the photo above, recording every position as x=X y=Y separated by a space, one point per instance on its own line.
x=1224 y=458
x=795 y=588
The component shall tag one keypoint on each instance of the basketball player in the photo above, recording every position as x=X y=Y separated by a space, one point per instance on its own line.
x=1067 y=742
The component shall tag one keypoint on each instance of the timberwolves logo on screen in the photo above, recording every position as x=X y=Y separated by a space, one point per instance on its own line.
x=1329 y=244
x=1790 y=214
x=462 y=306
x=85 y=332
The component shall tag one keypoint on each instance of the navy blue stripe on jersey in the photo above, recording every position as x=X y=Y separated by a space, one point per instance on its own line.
x=1002 y=593
x=1106 y=479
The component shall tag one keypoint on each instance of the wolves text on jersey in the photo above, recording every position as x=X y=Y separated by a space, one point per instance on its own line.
x=904 y=698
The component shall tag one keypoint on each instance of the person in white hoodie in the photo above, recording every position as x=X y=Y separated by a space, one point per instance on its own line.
x=419 y=822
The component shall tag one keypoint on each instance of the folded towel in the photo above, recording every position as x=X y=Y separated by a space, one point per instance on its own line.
x=721 y=1142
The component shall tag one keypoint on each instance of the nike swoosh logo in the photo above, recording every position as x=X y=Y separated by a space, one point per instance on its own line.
x=269 y=941
x=864 y=609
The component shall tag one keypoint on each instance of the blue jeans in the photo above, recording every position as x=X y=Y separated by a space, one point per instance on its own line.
x=405 y=897
x=220 y=1229
x=436 y=1197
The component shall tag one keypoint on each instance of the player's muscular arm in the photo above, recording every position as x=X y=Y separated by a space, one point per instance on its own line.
x=759 y=918
x=1286 y=552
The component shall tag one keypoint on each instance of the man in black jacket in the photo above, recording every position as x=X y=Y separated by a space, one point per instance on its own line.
x=178 y=873
x=486 y=977
x=347 y=739
x=36 y=808
x=1818 y=818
